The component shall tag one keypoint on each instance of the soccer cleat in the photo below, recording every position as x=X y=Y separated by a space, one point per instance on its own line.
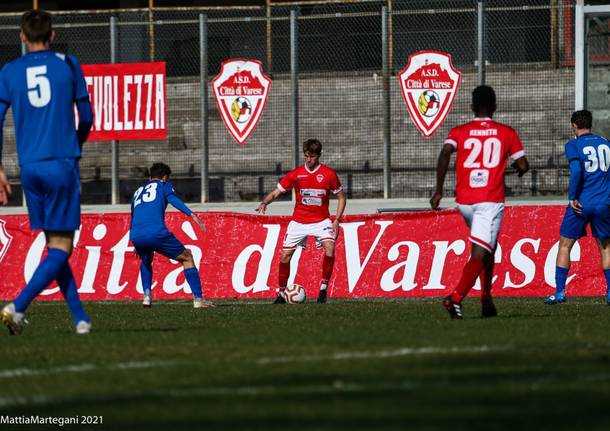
x=147 y=301
x=280 y=299
x=488 y=309
x=14 y=321
x=556 y=298
x=202 y=303
x=322 y=297
x=453 y=308
x=83 y=327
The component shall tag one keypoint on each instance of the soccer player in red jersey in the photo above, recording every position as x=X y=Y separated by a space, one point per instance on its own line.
x=313 y=183
x=483 y=148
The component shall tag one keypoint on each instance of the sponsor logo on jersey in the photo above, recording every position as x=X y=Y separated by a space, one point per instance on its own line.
x=312 y=201
x=429 y=84
x=5 y=239
x=313 y=192
x=241 y=89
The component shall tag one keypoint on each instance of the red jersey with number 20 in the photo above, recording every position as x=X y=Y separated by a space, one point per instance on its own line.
x=313 y=189
x=483 y=148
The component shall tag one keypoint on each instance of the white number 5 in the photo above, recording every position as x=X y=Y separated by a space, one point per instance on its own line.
x=39 y=87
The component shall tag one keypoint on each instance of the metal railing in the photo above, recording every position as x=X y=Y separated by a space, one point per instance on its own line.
x=333 y=66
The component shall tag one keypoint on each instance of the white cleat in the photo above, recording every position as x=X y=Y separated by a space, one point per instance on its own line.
x=202 y=303
x=14 y=321
x=83 y=327
x=147 y=301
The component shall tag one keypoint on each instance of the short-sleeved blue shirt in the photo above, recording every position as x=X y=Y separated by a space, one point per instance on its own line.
x=593 y=153
x=148 y=207
x=42 y=87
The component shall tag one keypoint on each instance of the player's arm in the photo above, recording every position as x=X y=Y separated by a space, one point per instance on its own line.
x=576 y=183
x=262 y=207
x=442 y=166
x=177 y=203
x=85 y=120
x=341 y=203
x=521 y=165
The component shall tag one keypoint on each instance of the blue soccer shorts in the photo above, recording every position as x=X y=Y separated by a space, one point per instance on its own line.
x=52 y=193
x=574 y=225
x=163 y=242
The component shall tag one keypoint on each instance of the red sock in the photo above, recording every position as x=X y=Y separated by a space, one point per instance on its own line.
x=327 y=267
x=283 y=274
x=469 y=275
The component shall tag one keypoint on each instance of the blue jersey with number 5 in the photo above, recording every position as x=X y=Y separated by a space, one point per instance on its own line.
x=42 y=87
x=593 y=154
x=148 y=208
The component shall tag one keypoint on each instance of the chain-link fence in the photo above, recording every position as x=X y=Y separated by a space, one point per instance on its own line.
x=528 y=60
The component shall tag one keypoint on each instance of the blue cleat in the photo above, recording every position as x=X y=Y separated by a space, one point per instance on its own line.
x=556 y=298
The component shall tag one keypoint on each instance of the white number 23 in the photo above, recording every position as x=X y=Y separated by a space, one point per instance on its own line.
x=150 y=193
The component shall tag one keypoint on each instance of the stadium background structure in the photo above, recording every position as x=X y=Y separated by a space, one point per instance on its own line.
x=528 y=52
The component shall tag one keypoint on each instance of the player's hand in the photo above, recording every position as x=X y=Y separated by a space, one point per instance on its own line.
x=199 y=222
x=261 y=208
x=576 y=206
x=336 y=227
x=5 y=187
x=435 y=200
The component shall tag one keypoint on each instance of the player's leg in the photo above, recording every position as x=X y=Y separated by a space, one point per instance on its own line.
x=600 y=227
x=59 y=249
x=480 y=218
x=67 y=286
x=572 y=227
x=488 y=308
x=296 y=236
x=191 y=273
x=325 y=237
x=146 y=274
x=328 y=264
x=283 y=273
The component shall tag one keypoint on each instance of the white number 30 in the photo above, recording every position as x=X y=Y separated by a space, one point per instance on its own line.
x=39 y=87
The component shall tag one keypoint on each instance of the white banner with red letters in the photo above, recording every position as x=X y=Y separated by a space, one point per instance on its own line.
x=128 y=101
x=415 y=254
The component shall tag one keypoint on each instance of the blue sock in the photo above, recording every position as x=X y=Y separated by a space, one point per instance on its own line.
x=146 y=274
x=192 y=278
x=67 y=285
x=561 y=275
x=46 y=272
x=607 y=275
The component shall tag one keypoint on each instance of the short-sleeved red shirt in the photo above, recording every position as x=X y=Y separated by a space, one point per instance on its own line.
x=313 y=189
x=483 y=148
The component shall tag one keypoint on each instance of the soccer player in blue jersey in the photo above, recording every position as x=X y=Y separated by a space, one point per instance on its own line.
x=42 y=87
x=589 y=196
x=149 y=234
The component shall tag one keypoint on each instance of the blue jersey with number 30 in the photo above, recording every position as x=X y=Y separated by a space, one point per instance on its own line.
x=42 y=87
x=148 y=208
x=593 y=154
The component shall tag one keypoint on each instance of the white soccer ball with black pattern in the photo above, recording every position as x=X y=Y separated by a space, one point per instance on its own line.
x=295 y=294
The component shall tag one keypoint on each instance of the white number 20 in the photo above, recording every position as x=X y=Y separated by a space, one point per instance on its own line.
x=150 y=193
x=491 y=152
x=39 y=87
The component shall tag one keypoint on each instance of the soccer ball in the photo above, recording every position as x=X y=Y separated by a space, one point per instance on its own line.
x=429 y=103
x=295 y=294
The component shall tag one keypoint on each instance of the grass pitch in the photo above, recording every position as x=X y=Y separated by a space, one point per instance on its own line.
x=375 y=365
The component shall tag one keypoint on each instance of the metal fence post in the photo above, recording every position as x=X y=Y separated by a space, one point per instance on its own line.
x=294 y=86
x=481 y=42
x=387 y=144
x=115 y=198
x=203 y=94
x=24 y=51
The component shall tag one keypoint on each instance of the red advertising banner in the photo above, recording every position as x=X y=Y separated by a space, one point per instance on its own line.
x=416 y=254
x=128 y=101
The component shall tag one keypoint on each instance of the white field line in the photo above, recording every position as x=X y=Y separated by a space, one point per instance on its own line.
x=81 y=368
x=405 y=351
